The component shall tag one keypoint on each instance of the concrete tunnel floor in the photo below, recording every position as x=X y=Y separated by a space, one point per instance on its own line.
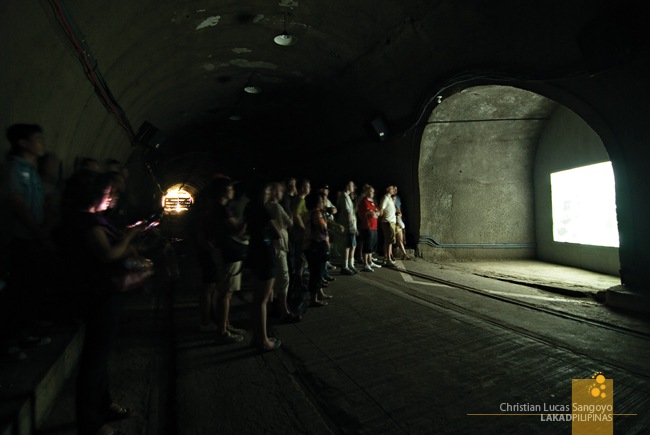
x=392 y=353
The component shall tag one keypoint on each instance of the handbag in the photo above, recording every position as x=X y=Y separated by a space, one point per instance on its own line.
x=130 y=274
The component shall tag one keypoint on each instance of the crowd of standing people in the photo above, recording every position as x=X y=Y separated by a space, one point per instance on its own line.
x=283 y=234
x=67 y=241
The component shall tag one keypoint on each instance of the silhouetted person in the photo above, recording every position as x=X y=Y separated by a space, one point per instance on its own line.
x=93 y=249
x=29 y=245
x=264 y=247
x=316 y=247
x=284 y=221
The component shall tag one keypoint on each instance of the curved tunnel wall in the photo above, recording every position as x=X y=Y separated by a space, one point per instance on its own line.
x=486 y=158
x=567 y=142
x=48 y=87
x=476 y=174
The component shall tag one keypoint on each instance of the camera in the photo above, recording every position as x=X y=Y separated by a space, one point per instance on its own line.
x=152 y=220
x=149 y=222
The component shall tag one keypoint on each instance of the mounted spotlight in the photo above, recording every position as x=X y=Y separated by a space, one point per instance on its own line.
x=284 y=38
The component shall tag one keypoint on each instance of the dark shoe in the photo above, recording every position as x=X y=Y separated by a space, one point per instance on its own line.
x=324 y=283
x=318 y=304
x=326 y=296
x=329 y=278
x=119 y=414
x=346 y=271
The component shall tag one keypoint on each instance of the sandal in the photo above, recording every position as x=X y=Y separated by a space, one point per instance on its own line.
x=276 y=345
x=120 y=413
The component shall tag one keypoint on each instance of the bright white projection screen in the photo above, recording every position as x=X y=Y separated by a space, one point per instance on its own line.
x=584 y=205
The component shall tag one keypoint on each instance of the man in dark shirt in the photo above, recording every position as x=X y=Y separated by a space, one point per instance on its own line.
x=23 y=192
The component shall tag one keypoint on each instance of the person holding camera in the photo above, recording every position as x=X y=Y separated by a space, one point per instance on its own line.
x=94 y=251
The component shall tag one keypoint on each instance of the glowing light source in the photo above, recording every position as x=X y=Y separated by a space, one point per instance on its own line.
x=284 y=39
x=584 y=205
x=176 y=200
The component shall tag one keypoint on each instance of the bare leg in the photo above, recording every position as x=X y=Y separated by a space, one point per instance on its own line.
x=223 y=310
x=284 y=306
x=262 y=295
x=388 y=251
x=400 y=243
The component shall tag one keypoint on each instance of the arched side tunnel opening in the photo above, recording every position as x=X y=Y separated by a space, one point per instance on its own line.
x=486 y=159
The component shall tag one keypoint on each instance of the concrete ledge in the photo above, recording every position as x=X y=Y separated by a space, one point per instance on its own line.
x=29 y=388
x=621 y=297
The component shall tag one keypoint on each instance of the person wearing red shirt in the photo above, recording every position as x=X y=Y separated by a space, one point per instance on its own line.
x=368 y=214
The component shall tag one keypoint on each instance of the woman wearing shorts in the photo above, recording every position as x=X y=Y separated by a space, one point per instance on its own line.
x=368 y=215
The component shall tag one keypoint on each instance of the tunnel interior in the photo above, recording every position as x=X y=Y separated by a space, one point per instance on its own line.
x=486 y=159
x=93 y=76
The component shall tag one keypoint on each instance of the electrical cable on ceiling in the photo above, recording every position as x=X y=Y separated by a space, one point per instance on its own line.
x=83 y=54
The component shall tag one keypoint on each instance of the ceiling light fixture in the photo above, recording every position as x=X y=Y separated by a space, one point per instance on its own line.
x=249 y=87
x=284 y=38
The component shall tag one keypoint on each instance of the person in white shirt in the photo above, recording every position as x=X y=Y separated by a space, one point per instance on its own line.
x=348 y=218
x=388 y=214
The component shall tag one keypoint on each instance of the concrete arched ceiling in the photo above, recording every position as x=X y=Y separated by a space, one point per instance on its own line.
x=182 y=66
